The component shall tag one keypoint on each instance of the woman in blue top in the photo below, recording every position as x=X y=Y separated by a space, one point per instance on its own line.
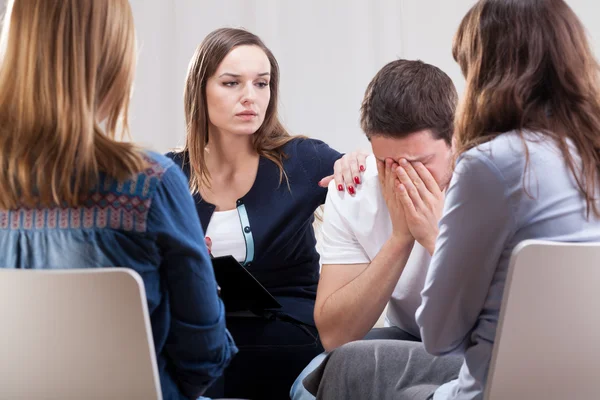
x=256 y=190
x=528 y=144
x=75 y=197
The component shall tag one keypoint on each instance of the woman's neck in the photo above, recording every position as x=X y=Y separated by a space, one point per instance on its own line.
x=228 y=154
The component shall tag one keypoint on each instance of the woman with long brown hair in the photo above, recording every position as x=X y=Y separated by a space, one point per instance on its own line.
x=528 y=145
x=256 y=189
x=74 y=196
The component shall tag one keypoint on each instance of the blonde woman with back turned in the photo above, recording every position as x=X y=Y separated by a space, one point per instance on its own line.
x=75 y=197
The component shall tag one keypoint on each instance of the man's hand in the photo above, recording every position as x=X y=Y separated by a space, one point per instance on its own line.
x=422 y=201
x=389 y=181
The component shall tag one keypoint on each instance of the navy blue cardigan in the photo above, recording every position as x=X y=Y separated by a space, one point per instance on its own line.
x=286 y=261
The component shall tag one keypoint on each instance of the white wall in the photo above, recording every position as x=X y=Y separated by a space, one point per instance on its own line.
x=328 y=51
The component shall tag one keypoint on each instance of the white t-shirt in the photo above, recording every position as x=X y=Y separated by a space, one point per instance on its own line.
x=354 y=230
x=225 y=232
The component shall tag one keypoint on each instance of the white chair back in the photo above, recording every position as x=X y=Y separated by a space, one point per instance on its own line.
x=548 y=340
x=76 y=334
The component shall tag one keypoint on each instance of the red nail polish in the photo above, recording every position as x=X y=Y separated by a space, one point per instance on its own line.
x=351 y=189
x=357 y=180
x=362 y=168
x=340 y=188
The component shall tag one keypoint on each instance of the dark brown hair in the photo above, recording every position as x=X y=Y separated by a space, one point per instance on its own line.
x=409 y=96
x=528 y=66
x=269 y=138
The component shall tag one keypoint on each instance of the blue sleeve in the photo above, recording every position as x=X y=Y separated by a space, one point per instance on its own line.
x=475 y=226
x=318 y=159
x=180 y=159
x=199 y=346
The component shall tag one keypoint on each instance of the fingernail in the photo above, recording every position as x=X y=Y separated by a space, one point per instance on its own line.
x=362 y=168
x=340 y=188
x=357 y=180
x=403 y=162
x=351 y=189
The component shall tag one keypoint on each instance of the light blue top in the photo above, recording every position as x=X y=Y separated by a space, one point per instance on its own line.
x=486 y=214
x=147 y=223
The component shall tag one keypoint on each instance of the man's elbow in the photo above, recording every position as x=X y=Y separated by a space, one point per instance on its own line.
x=337 y=336
x=331 y=341
x=334 y=340
x=331 y=337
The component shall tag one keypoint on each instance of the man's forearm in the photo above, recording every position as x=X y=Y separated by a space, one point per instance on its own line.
x=351 y=311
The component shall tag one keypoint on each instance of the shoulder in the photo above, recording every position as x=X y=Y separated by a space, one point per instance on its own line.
x=157 y=159
x=366 y=191
x=157 y=166
x=489 y=176
x=301 y=142
x=177 y=157
x=144 y=184
x=308 y=147
x=312 y=158
x=505 y=146
x=505 y=155
x=164 y=170
x=160 y=167
x=164 y=180
x=367 y=204
x=355 y=227
x=180 y=159
x=496 y=154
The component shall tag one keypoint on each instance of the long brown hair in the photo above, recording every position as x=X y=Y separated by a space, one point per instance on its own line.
x=528 y=66
x=269 y=138
x=65 y=63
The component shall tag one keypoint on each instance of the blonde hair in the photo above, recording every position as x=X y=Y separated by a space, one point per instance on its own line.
x=270 y=138
x=66 y=65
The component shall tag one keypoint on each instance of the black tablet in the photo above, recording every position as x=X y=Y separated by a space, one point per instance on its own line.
x=240 y=291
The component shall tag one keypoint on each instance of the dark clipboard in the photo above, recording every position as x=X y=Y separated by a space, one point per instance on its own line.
x=240 y=291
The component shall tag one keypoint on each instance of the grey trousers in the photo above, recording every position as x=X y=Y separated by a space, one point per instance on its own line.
x=382 y=370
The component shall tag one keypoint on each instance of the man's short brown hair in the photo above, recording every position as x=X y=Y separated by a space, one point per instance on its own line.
x=409 y=96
